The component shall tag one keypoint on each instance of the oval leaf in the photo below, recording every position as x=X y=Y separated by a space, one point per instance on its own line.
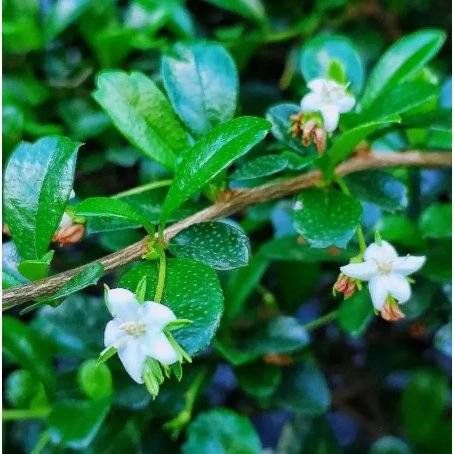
x=210 y=155
x=192 y=291
x=202 y=84
x=38 y=181
x=326 y=217
x=260 y=167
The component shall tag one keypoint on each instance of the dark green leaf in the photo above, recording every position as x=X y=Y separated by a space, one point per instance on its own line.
x=355 y=313
x=260 y=167
x=399 y=229
x=221 y=431
x=326 y=217
x=402 y=61
x=192 y=291
x=142 y=114
x=389 y=445
x=219 y=245
x=436 y=221
x=211 y=155
x=259 y=380
x=202 y=84
x=250 y=9
x=378 y=187
x=36 y=187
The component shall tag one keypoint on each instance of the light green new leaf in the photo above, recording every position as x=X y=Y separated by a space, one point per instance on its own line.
x=219 y=245
x=36 y=187
x=142 y=114
x=211 y=155
x=202 y=83
x=402 y=61
x=326 y=217
x=36 y=269
x=192 y=291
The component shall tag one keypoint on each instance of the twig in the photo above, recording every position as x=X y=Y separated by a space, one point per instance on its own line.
x=236 y=202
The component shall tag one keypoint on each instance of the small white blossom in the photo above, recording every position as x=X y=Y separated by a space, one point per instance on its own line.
x=386 y=273
x=66 y=219
x=330 y=99
x=136 y=331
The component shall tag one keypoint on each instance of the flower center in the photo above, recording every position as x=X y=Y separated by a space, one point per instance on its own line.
x=384 y=267
x=134 y=328
x=332 y=94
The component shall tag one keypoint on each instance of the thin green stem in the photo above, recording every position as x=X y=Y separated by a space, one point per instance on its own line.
x=42 y=442
x=143 y=188
x=27 y=413
x=161 y=273
x=323 y=320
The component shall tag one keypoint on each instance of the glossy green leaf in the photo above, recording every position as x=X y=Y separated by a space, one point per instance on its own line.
x=260 y=167
x=389 y=445
x=22 y=345
x=217 y=244
x=304 y=390
x=36 y=269
x=142 y=114
x=319 y=54
x=378 y=187
x=279 y=117
x=355 y=313
x=192 y=291
x=250 y=9
x=436 y=221
x=89 y=414
x=423 y=402
x=326 y=217
x=212 y=154
x=202 y=84
x=259 y=380
x=402 y=61
x=10 y=261
x=221 y=431
x=36 y=187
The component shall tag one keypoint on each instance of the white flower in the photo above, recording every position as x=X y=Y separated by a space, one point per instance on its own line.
x=66 y=219
x=330 y=99
x=137 y=331
x=385 y=272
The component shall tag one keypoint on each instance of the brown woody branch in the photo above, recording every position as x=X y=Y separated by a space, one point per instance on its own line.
x=236 y=201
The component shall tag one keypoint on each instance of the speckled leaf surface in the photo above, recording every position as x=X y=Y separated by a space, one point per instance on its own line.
x=221 y=431
x=217 y=244
x=378 y=187
x=202 y=84
x=192 y=291
x=142 y=114
x=260 y=167
x=213 y=153
x=37 y=183
x=326 y=217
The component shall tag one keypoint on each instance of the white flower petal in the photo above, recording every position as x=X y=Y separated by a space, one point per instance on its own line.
x=363 y=271
x=311 y=103
x=346 y=103
x=407 y=265
x=156 y=315
x=378 y=288
x=132 y=356
x=317 y=85
x=330 y=114
x=122 y=304
x=113 y=334
x=72 y=195
x=159 y=347
x=399 y=288
x=384 y=253
x=66 y=221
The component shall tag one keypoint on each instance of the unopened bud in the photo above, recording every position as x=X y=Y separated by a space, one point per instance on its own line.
x=345 y=285
x=69 y=234
x=319 y=136
x=391 y=312
x=278 y=359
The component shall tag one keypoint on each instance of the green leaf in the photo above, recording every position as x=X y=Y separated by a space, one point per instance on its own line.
x=250 y=9
x=402 y=61
x=24 y=347
x=436 y=221
x=192 y=291
x=319 y=54
x=142 y=114
x=10 y=261
x=95 y=380
x=221 y=431
x=304 y=390
x=355 y=313
x=36 y=269
x=202 y=84
x=326 y=217
x=219 y=245
x=399 y=229
x=212 y=154
x=260 y=167
x=378 y=187
x=279 y=117
x=423 y=403
x=89 y=414
x=36 y=187
x=22 y=390
x=389 y=445
x=259 y=380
